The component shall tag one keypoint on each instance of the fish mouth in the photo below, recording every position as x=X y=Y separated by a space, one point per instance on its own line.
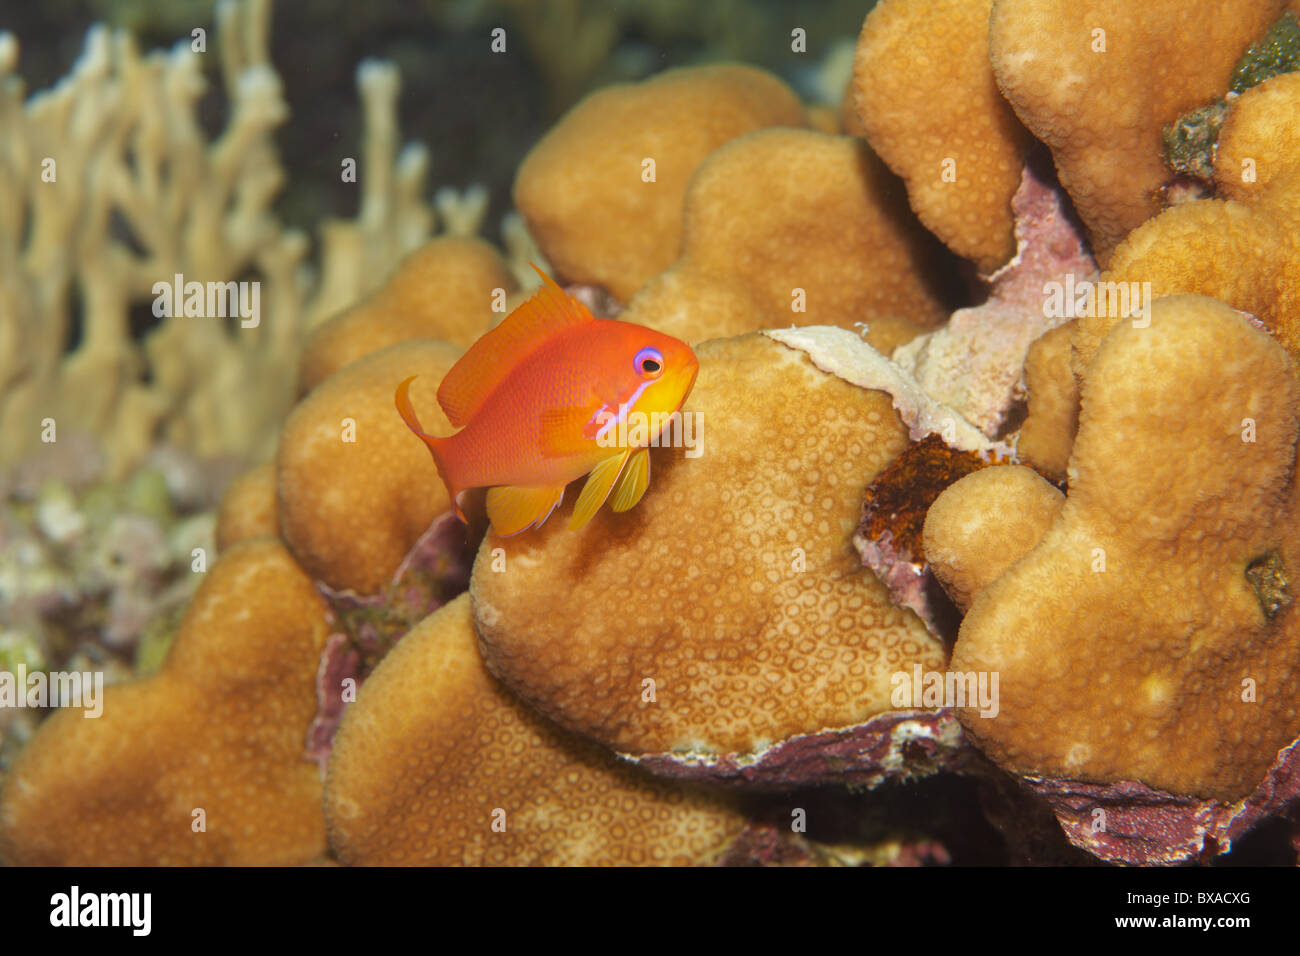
x=683 y=381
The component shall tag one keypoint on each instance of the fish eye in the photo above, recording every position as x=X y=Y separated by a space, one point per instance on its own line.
x=649 y=363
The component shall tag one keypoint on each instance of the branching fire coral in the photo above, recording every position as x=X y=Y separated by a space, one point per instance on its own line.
x=108 y=186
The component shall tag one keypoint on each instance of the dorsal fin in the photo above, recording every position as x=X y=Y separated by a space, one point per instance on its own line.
x=496 y=354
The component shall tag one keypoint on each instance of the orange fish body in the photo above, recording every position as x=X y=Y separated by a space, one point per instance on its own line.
x=541 y=399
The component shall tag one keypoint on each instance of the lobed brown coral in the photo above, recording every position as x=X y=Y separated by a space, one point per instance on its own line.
x=202 y=763
x=354 y=489
x=929 y=106
x=438 y=764
x=796 y=227
x=443 y=290
x=248 y=509
x=1097 y=81
x=602 y=191
x=1052 y=418
x=983 y=523
x=728 y=611
x=1148 y=635
x=1246 y=254
x=1259 y=139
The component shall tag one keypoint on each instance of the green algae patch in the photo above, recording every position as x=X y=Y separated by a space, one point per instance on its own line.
x=1278 y=51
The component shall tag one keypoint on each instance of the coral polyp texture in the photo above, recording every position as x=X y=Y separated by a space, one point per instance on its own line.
x=1097 y=81
x=757 y=622
x=437 y=763
x=948 y=132
x=1259 y=138
x=202 y=763
x=602 y=191
x=1148 y=634
x=796 y=227
x=985 y=522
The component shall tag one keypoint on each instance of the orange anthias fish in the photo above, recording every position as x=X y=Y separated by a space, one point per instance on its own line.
x=540 y=400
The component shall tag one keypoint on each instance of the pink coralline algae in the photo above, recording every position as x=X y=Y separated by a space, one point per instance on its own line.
x=435 y=570
x=975 y=363
x=1135 y=824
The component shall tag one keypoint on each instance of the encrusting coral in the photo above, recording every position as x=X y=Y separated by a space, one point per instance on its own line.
x=1148 y=635
x=602 y=191
x=436 y=764
x=1097 y=82
x=202 y=763
x=797 y=227
x=929 y=106
x=443 y=290
x=728 y=611
x=355 y=491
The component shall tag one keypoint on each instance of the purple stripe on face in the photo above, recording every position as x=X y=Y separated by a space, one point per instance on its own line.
x=621 y=415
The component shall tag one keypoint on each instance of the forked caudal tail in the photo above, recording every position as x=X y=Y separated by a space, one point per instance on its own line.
x=402 y=399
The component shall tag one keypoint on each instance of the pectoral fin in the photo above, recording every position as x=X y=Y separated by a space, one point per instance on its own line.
x=597 y=488
x=632 y=482
x=568 y=431
x=512 y=509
